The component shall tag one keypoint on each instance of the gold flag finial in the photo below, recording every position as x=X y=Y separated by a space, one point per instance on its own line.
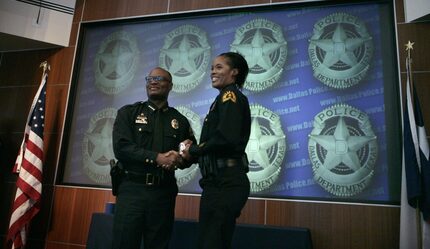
x=409 y=48
x=409 y=45
x=45 y=66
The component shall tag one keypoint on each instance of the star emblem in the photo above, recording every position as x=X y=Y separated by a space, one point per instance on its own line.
x=259 y=144
x=184 y=56
x=101 y=143
x=257 y=53
x=339 y=47
x=342 y=147
x=116 y=62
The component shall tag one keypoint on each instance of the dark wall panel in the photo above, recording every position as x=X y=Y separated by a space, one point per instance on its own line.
x=72 y=210
x=417 y=33
x=180 y=5
x=96 y=10
x=339 y=225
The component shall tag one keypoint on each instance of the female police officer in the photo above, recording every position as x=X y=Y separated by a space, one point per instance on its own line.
x=221 y=153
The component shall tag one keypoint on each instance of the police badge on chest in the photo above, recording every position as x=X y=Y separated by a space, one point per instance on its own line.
x=141 y=119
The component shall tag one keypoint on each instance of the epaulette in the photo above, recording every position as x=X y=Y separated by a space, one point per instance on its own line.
x=229 y=96
x=139 y=103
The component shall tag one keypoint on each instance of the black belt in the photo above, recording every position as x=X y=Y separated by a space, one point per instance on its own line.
x=231 y=162
x=227 y=162
x=148 y=179
x=211 y=166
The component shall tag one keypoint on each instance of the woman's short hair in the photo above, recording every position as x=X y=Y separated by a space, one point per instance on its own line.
x=236 y=60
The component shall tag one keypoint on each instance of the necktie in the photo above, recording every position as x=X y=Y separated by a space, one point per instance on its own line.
x=157 y=140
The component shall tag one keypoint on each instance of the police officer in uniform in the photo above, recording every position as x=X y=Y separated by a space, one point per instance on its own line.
x=146 y=137
x=221 y=154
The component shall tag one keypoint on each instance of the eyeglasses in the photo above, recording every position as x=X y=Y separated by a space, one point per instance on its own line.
x=155 y=78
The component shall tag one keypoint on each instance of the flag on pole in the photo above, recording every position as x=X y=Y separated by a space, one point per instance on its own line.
x=417 y=161
x=28 y=166
x=415 y=203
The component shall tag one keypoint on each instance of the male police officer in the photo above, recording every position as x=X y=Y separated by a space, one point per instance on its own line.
x=146 y=137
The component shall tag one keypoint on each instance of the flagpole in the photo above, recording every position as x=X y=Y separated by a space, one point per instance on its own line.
x=409 y=47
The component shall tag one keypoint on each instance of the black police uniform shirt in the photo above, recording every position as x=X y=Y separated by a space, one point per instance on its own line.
x=134 y=135
x=227 y=126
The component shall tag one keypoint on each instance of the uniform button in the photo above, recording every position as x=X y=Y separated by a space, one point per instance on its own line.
x=174 y=135
x=147 y=160
x=140 y=129
x=152 y=161
x=206 y=119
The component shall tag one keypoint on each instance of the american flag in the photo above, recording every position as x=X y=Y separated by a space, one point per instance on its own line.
x=28 y=165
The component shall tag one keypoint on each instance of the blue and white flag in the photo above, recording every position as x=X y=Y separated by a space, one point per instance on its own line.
x=415 y=226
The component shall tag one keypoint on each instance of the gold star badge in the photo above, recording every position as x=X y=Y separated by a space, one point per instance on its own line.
x=175 y=124
x=141 y=119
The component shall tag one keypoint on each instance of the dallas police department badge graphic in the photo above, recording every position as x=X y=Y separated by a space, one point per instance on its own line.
x=265 y=148
x=186 y=54
x=262 y=44
x=183 y=176
x=340 y=50
x=97 y=147
x=343 y=150
x=116 y=62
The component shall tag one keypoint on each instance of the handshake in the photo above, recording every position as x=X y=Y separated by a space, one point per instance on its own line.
x=172 y=160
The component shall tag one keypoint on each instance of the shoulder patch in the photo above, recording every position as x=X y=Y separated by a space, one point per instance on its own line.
x=229 y=95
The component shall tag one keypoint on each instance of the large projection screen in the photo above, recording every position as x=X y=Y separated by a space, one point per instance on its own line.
x=323 y=89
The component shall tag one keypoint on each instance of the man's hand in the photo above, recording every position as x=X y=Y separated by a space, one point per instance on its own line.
x=169 y=160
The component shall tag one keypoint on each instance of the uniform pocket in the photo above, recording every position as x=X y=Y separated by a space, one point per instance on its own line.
x=143 y=134
x=172 y=138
